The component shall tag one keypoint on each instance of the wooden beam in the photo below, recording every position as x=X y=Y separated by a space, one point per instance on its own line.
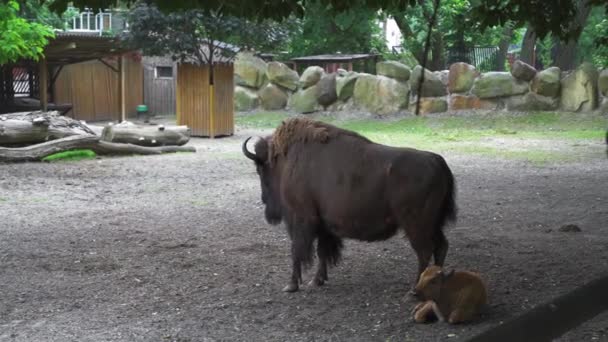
x=121 y=89
x=44 y=84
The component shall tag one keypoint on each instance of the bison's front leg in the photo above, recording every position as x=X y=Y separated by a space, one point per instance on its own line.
x=296 y=273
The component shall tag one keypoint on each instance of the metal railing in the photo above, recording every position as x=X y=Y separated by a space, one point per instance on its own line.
x=89 y=21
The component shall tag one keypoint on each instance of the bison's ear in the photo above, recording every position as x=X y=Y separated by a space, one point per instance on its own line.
x=261 y=150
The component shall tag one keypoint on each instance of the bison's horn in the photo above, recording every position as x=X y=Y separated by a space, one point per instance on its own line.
x=248 y=154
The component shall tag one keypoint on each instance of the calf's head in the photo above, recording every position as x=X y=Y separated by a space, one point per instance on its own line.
x=269 y=179
x=431 y=281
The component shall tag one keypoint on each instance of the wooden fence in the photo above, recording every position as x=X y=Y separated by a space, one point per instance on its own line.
x=92 y=89
x=159 y=92
x=193 y=99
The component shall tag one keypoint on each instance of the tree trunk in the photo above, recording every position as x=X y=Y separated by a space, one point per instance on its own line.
x=130 y=133
x=527 y=48
x=35 y=127
x=565 y=51
x=39 y=151
x=438 y=56
x=503 y=46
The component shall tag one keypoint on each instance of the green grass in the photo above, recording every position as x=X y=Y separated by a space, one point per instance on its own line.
x=469 y=134
x=72 y=155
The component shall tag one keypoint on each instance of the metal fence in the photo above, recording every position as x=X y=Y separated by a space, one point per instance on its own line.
x=484 y=58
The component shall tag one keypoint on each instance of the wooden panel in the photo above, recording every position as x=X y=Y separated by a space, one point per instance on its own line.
x=224 y=105
x=159 y=93
x=91 y=88
x=193 y=100
x=193 y=93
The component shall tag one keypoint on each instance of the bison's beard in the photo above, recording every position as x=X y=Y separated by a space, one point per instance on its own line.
x=273 y=215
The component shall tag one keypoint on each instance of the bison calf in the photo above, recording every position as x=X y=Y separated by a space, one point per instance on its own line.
x=454 y=296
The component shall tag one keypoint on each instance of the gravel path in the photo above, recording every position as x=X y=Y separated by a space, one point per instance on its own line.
x=175 y=248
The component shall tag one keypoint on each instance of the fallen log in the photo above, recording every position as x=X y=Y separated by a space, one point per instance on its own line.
x=130 y=133
x=18 y=129
x=91 y=142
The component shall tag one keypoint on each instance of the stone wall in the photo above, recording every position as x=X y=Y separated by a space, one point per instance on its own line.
x=273 y=86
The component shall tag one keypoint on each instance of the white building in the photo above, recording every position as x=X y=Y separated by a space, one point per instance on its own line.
x=392 y=34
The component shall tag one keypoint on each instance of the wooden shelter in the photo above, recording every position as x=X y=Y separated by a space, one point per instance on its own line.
x=206 y=107
x=95 y=90
x=331 y=63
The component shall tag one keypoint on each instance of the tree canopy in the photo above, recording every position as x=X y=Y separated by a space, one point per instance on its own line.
x=20 y=38
x=545 y=16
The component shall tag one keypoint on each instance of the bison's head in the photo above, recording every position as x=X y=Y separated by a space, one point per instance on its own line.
x=268 y=178
x=430 y=282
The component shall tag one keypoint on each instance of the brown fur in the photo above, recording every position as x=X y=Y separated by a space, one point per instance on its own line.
x=304 y=130
x=327 y=184
x=456 y=297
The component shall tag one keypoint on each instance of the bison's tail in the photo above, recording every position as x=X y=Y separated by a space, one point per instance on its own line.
x=449 y=211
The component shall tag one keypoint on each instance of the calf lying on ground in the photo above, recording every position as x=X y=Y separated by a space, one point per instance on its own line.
x=454 y=296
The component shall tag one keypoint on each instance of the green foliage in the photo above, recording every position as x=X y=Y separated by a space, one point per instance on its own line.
x=72 y=155
x=322 y=30
x=593 y=42
x=20 y=38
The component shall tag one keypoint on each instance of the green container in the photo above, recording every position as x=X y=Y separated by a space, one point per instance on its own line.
x=142 y=109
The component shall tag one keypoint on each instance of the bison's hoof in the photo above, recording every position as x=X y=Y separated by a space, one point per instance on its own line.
x=291 y=288
x=316 y=282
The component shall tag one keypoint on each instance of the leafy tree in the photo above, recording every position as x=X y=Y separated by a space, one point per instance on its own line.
x=196 y=36
x=20 y=38
x=321 y=30
x=544 y=16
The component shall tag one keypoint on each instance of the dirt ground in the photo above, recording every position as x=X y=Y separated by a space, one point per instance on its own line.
x=175 y=248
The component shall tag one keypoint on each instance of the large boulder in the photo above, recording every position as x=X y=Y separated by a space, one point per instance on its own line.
x=380 y=94
x=546 y=82
x=498 y=84
x=327 y=90
x=430 y=105
x=272 y=97
x=461 y=102
x=579 y=89
x=531 y=102
x=393 y=69
x=461 y=77
x=280 y=74
x=602 y=82
x=249 y=70
x=432 y=85
x=245 y=99
x=523 y=71
x=305 y=100
x=345 y=86
x=311 y=76
x=443 y=76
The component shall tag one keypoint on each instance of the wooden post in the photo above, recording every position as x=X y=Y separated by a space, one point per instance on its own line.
x=121 y=87
x=178 y=118
x=211 y=111
x=44 y=84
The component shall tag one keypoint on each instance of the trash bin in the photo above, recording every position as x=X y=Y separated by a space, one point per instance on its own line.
x=142 y=110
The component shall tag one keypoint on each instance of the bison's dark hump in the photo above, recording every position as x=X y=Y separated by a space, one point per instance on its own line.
x=300 y=130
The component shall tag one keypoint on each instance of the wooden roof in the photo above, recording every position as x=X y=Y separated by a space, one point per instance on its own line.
x=335 y=58
x=76 y=47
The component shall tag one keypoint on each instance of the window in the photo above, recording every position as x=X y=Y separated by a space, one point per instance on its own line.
x=163 y=72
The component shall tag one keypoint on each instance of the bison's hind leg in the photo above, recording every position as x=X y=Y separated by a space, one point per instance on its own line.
x=329 y=249
x=441 y=247
x=302 y=238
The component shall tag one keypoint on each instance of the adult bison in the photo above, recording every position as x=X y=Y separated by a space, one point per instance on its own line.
x=328 y=183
